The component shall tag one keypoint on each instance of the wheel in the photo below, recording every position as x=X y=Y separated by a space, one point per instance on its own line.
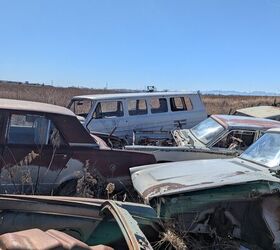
x=68 y=188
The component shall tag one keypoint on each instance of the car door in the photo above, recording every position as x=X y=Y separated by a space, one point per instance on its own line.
x=33 y=156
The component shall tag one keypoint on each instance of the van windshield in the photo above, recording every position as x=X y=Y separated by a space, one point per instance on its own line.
x=81 y=107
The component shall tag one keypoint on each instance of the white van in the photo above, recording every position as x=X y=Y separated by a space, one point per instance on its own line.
x=122 y=114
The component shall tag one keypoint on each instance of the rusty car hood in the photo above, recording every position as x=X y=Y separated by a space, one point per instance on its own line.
x=186 y=176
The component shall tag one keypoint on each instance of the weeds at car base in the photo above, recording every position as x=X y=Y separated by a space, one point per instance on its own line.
x=9 y=173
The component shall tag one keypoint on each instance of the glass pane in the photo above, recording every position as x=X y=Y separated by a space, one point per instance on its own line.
x=158 y=105
x=28 y=129
x=137 y=107
x=265 y=151
x=188 y=103
x=177 y=104
x=207 y=130
x=108 y=109
x=81 y=107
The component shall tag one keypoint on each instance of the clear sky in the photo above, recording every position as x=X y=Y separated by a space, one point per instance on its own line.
x=173 y=44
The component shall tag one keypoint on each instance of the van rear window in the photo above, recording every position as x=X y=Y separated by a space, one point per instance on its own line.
x=158 y=105
x=137 y=107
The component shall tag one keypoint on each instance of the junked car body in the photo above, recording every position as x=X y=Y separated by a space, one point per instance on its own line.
x=227 y=198
x=44 y=149
x=121 y=114
x=219 y=136
x=269 y=112
x=76 y=223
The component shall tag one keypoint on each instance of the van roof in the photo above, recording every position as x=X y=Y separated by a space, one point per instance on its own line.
x=131 y=95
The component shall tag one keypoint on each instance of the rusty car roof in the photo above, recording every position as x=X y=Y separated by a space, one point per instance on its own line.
x=187 y=176
x=235 y=121
x=12 y=104
x=131 y=95
x=260 y=111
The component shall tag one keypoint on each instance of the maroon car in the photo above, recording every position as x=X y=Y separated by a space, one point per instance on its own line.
x=45 y=149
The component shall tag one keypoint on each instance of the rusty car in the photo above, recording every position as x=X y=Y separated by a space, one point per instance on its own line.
x=233 y=201
x=67 y=223
x=45 y=149
x=219 y=136
x=121 y=114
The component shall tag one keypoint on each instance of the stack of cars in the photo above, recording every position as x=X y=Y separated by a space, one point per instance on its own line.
x=221 y=192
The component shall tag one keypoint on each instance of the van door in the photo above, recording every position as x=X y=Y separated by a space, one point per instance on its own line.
x=184 y=113
x=107 y=117
x=138 y=118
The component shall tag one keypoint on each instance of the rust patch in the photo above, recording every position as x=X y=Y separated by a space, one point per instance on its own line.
x=162 y=188
x=247 y=121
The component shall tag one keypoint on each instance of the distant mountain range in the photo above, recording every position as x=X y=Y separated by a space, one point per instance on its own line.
x=205 y=92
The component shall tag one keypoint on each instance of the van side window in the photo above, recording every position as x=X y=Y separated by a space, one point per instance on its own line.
x=180 y=103
x=137 y=107
x=188 y=103
x=108 y=109
x=158 y=105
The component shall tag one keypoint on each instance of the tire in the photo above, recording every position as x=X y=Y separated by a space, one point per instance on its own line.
x=68 y=188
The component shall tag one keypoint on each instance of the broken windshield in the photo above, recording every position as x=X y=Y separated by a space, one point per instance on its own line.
x=265 y=151
x=207 y=130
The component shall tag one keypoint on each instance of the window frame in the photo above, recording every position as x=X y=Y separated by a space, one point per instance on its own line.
x=160 y=112
x=51 y=122
x=132 y=100
x=231 y=131
x=173 y=107
x=99 y=103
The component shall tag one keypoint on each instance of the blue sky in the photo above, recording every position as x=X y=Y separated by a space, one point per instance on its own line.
x=174 y=44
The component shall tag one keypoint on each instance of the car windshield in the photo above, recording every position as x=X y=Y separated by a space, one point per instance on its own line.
x=207 y=130
x=265 y=151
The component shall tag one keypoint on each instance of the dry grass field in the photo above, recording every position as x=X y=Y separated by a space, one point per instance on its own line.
x=219 y=104
x=61 y=96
